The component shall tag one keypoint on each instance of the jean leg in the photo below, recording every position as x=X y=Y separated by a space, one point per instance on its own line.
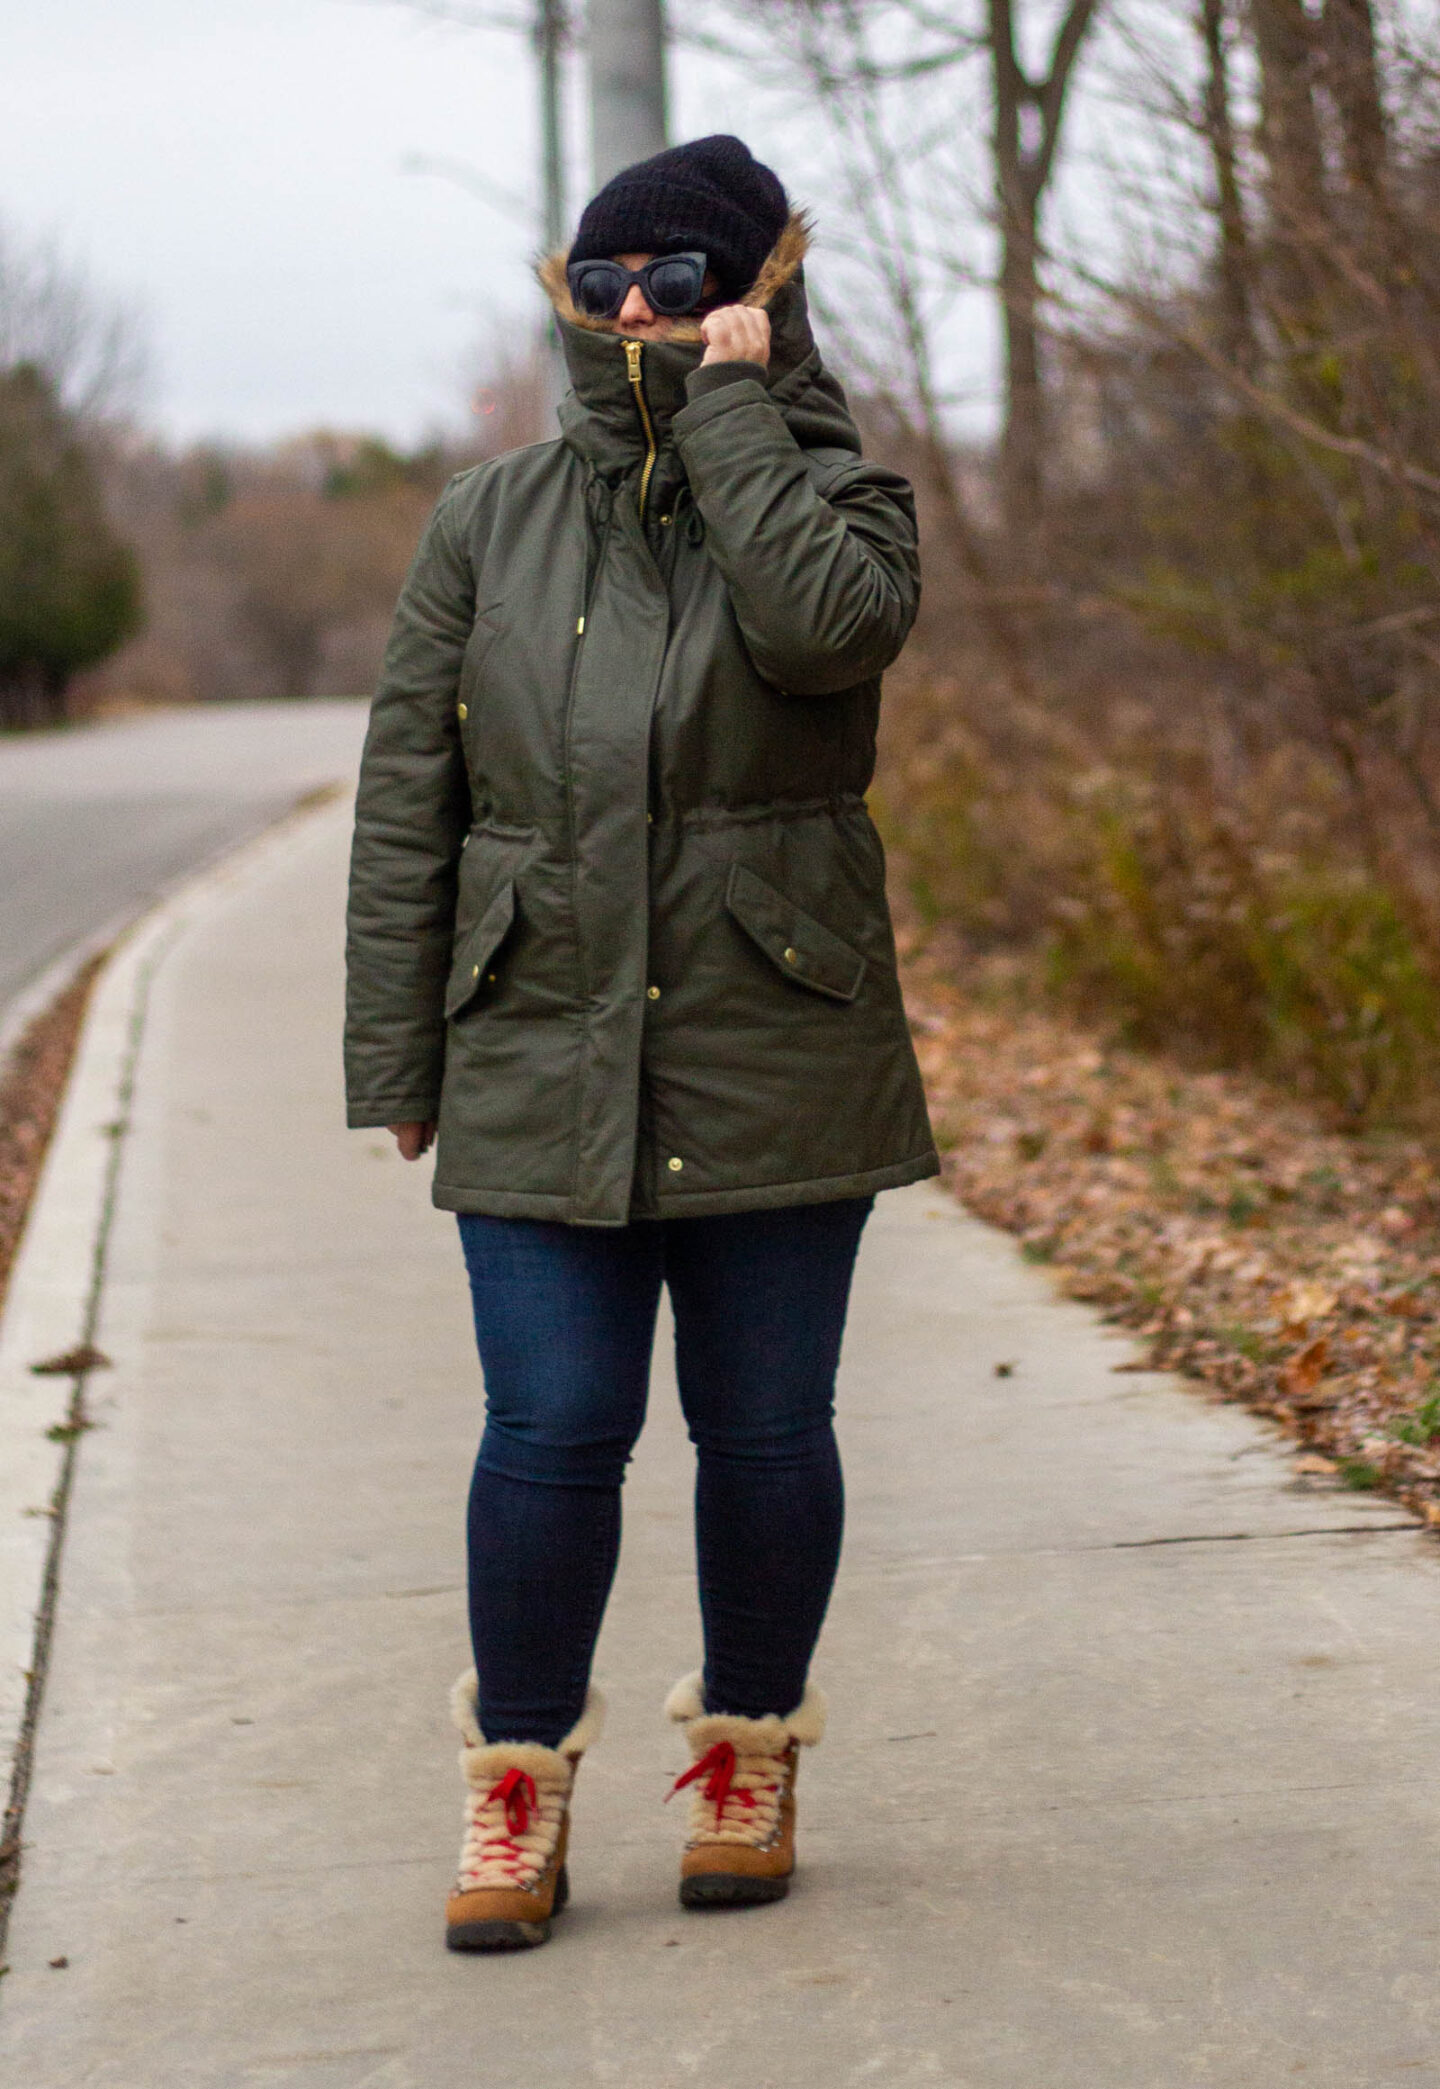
x=565 y=1323
x=760 y=1300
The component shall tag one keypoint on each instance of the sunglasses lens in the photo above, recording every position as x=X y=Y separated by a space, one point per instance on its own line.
x=598 y=288
x=674 y=284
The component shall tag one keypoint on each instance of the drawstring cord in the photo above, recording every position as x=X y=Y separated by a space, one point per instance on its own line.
x=694 y=520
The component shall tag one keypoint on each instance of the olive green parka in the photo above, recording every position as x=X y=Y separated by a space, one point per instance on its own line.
x=617 y=910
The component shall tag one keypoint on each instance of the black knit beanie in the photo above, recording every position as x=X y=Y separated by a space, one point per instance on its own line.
x=712 y=196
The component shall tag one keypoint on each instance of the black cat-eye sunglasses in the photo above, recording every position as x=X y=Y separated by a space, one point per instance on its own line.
x=669 y=283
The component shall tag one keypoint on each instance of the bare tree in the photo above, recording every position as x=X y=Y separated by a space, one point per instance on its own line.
x=1233 y=257
x=1290 y=136
x=1029 y=115
x=90 y=348
x=1353 y=75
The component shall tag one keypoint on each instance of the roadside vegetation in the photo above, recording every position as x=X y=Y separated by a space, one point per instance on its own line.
x=1160 y=775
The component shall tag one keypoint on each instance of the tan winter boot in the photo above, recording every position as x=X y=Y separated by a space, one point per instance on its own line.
x=512 y=1875
x=741 y=1846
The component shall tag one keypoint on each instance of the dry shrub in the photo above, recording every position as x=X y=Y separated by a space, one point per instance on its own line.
x=1203 y=897
x=1200 y=796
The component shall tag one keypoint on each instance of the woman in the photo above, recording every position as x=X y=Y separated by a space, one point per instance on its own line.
x=618 y=934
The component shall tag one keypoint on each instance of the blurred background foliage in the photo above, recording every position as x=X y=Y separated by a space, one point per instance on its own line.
x=1166 y=743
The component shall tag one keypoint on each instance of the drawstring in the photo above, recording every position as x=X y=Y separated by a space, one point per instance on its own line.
x=599 y=495
x=694 y=520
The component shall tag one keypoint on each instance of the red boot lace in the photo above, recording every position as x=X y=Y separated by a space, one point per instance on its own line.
x=485 y=1844
x=516 y=1793
x=717 y=1767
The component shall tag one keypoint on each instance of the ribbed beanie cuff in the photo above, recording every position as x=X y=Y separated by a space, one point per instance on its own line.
x=712 y=196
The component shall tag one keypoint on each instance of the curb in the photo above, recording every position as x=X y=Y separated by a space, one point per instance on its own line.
x=56 y=1295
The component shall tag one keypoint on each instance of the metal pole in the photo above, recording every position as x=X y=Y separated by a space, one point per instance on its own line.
x=627 y=84
x=549 y=44
x=549 y=38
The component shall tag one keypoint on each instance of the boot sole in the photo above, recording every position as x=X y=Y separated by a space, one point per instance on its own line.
x=508 y=1936
x=729 y=1889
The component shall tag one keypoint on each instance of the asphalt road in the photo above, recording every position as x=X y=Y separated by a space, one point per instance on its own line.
x=96 y=821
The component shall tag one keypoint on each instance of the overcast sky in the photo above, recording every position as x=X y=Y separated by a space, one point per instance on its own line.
x=238 y=169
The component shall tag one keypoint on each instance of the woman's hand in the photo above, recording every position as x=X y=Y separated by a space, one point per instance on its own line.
x=412 y=1139
x=736 y=334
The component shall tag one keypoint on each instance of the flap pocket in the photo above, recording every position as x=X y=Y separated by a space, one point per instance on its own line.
x=475 y=949
x=794 y=941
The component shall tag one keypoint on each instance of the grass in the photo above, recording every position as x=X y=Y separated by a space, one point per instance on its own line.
x=1421 y=1427
x=1245 y=1342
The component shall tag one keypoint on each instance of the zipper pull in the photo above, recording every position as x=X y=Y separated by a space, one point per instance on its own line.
x=633 y=371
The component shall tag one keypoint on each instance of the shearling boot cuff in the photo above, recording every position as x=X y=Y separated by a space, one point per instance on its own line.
x=768 y=1736
x=464 y=1710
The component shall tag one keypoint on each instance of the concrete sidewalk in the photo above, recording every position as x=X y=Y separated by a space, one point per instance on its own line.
x=1131 y=1779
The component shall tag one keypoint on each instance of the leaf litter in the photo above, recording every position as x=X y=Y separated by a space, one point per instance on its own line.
x=1286 y=1264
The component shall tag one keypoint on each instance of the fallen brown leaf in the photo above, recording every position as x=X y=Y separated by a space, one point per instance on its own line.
x=1301 y=1373
x=71 y=1362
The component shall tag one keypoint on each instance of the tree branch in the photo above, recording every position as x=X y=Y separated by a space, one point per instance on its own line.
x=1050 y=95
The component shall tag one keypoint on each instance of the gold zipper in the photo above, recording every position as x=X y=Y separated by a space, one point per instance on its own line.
x=632 y=365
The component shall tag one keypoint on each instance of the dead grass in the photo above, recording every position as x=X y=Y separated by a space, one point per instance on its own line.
x=30 y=1092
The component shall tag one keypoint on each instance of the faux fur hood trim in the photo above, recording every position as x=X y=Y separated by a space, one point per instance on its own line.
x=768 y=1736
x=781 y=264
x=464 y=1702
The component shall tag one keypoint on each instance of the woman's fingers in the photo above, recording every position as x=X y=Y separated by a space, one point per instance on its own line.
x=736 y=334
x=412 y=1139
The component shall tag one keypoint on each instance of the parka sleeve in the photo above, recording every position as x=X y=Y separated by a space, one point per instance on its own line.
x=824 y=580
x=411 y=816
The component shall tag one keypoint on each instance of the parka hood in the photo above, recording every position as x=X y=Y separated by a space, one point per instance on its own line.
x=598 y=416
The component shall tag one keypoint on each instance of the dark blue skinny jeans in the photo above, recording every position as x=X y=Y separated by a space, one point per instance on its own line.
x=565 y=1321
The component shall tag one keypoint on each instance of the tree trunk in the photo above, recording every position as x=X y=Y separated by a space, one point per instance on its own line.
x=1286 y=42
x=1354 y=81
x=1375 y=219
x=1233 y=258
x=1022 y=442
x=30 y=697
x=1027 y=118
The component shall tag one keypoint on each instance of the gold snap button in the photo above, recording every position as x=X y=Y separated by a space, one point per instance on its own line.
x=463 y=711
x=491 y=977
x=665 y=521
x=474 y=971
x=676 y=1164
x=652 y=993
x=792 y=957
